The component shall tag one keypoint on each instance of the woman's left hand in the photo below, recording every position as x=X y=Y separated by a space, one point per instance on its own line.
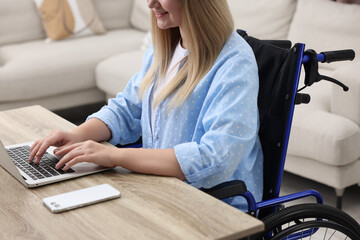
x=88 y=151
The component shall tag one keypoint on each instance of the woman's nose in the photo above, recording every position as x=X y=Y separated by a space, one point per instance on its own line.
x=153 y=3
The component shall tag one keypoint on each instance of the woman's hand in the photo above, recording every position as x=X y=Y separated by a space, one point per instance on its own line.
x=93 y=129
x=88 y=151
x=73 y=151
x=54 y=138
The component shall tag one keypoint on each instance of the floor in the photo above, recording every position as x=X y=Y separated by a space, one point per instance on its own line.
x=351 y=200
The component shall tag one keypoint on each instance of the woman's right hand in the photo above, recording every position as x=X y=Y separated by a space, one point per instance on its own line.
x=55 y=138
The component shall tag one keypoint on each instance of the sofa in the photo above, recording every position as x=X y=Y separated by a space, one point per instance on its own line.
x=59 y=74
x=325 y=139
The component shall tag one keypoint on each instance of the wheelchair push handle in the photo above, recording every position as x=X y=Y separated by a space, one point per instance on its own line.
x=332 y=56
x=311 y=59
x=335 y=56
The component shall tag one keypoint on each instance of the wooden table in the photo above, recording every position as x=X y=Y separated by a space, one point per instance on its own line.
x=150 y=207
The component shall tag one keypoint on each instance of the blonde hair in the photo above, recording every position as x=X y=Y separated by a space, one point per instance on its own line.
x=208 y=24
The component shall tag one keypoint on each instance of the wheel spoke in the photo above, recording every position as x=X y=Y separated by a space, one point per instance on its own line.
x=332 y=234
x=325 y=234
x=312 y=232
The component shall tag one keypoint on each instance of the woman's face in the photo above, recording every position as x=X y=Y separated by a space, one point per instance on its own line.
x=167 y=12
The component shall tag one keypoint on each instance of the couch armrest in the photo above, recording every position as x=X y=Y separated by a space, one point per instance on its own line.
x=347 y=104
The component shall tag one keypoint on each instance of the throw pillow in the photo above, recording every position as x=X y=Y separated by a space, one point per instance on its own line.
x=65 y=18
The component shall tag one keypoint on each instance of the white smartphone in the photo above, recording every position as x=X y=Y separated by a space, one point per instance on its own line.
x=80 y=198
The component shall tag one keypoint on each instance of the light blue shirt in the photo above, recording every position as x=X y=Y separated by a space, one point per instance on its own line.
x=214 y=132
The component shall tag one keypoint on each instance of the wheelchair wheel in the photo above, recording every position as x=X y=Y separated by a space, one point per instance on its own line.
x=310 y=221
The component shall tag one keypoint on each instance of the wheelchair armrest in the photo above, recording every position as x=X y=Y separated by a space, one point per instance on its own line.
x=137 y=144
x=226 y=189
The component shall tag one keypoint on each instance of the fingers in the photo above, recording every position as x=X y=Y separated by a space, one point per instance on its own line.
x=65 y=149
x=73 y=154
x=88 y=151
x=37 y=150
x=33 y=150
x=74 y=161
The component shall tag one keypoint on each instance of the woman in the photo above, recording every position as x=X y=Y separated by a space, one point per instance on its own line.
x=194 y=103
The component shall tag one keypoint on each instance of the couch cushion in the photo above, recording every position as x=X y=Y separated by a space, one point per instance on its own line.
x=140 y=16
x=111 y=78
x=62 y=19
x=114 y=14
x=19 y=22
x=264 y=19
x=325 y=25
x=335 y=176
x=318 y=134
x=36 y=69
x=324 y=137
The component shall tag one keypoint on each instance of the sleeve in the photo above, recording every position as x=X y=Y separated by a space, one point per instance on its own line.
x=122 y=114
x=230 y=123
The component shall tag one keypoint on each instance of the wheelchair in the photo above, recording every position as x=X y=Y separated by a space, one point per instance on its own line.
x=279 y=67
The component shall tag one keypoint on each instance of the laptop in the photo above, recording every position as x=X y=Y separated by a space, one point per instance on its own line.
x=14 y=159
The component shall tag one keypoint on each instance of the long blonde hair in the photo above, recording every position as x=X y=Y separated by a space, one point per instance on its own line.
x=207 y=24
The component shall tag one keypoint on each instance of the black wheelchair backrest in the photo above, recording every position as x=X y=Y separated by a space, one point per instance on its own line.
x=277 y=74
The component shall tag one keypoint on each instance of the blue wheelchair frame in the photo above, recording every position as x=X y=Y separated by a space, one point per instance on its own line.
x=253 y=206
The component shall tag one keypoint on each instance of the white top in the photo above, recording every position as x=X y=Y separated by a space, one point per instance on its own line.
x=179 y=54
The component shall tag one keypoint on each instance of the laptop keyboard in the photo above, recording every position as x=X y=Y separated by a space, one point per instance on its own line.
x=46 y=167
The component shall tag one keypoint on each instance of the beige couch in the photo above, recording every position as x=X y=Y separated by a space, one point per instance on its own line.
x=59 y=74
x=325 y=139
